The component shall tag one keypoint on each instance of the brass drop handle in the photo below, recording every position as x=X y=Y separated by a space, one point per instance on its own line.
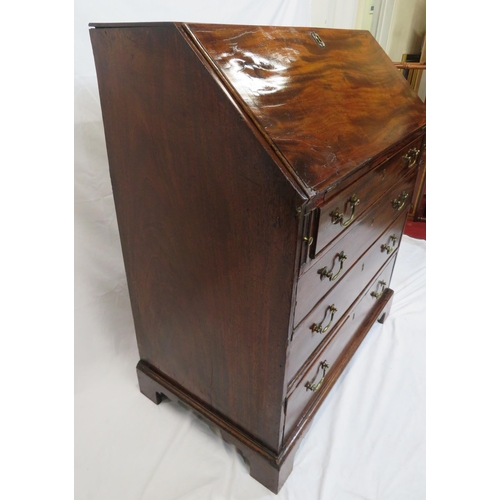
x=399 y=202
x=411 y=157
x=388 y=248
x=338 y=217
x=320 y=328
x=310 y=386
x=378 y=295
x=324 y=273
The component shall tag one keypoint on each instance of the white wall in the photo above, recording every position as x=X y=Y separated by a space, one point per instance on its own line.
x=407 y=28
x=318 y=13
x=264 y=12
x=398 y=25
x=364 y=16
x=334 y=13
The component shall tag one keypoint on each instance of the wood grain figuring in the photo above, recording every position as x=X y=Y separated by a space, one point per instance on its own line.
x=305 y=341
x=208 y=239
x=321 y=107
x=368 y=189
x=270 y=469
x=363 y=232
x=378 y=313
x=301 y=397
x=228 y=149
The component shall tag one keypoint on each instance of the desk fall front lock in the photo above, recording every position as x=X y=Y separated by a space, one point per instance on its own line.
x=262 y=177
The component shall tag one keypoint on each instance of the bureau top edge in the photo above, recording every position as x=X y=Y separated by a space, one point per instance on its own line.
x=327 y=112
x=129 y=25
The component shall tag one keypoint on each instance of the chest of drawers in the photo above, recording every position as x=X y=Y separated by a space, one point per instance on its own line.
x=262 y=177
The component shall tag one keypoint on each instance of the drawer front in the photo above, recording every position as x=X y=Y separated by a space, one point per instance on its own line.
x=352 y=202
x=329 y=270
x=330 y=313
x=310 y=386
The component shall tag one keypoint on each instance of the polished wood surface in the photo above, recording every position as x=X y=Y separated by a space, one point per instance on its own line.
x=353 y=243
x=305 y=340
x=301 y=397
x=321 y=106
x=228 y=148
x=269 y=469
x=367 y=189
x=208 y=239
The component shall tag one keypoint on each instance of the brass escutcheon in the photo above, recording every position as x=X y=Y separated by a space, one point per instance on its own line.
x=317 y=39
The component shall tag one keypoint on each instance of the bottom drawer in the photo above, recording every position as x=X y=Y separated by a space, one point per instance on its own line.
x=316 y=378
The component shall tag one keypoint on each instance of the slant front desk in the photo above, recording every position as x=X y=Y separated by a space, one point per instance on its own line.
x=262 y=177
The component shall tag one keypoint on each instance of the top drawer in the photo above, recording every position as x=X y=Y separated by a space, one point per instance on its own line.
x=350 y=203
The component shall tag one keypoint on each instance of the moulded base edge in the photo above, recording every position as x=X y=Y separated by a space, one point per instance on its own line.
x=268 y=468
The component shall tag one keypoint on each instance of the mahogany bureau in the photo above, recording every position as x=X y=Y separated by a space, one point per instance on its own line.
x=262 y=177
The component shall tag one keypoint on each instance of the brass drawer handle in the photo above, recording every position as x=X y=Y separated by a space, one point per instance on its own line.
x=310 y=386
x=388 y=248
x=320 y=328
x=411 y=157
x=338 y=217
x=399 y=202
x=378 y=295
x=324 y=273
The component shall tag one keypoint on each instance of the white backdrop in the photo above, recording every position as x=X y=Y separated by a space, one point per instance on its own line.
x=271 y=12
x=368 y=439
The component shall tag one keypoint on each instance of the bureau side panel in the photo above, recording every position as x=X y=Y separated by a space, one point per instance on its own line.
x=207 y=224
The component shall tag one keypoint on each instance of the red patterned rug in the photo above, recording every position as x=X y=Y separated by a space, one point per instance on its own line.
x=415 y=230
